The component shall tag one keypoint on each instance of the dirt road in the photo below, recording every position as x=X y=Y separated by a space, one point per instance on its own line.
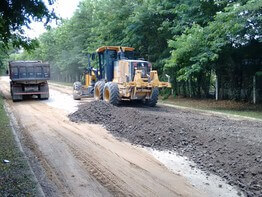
x=84 y=159
x=230 y=148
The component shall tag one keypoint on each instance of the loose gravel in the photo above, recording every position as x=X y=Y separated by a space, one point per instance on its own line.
x=229 y=148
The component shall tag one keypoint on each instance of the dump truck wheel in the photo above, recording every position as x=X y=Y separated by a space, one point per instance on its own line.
x=16 y=98
x=111 y=93
x=77 y=86
x=154 y=97
x=98 y=90
x=44 y=88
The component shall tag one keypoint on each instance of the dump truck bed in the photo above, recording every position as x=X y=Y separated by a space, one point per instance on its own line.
x=29 y=78
x=29 y=71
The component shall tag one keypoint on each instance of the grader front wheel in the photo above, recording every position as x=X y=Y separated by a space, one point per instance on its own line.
x=153 y=99
x=111 y=93
x=77 y=86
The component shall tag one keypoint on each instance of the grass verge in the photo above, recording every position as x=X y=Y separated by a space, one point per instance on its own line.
x=16 y=178
x=224 y=106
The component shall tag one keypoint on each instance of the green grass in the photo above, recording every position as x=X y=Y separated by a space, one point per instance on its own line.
x=15 y=177
x=223 y=106
x=245 y=113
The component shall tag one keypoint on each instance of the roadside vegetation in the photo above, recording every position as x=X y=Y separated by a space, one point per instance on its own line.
x=224 y=106
x=193 y=41
x=15 y=177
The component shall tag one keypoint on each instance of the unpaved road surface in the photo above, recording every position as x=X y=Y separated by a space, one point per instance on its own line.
x=229 y=148
x=84 y=159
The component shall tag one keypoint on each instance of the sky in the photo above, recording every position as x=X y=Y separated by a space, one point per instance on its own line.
x=62 y=8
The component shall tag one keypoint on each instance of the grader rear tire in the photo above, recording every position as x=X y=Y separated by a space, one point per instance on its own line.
x=111 y=93
x=98 y=90
x=153 y=99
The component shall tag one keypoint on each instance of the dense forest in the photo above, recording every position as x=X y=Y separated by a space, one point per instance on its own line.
x=194 y=41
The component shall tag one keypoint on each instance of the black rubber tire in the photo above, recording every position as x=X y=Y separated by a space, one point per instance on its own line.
x=44 y=88
x=111 y=93
x=98 y=90
x=76 y=96
x=153 y=99
x=77 y=86
x=11 y=89
x=15 y=89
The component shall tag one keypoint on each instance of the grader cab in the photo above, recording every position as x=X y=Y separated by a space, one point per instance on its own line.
x=120 y=77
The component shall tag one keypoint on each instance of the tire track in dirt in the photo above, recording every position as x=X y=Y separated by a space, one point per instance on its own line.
x=31 y=131
x=29 y=143
x=102 y=173
x=105 y=177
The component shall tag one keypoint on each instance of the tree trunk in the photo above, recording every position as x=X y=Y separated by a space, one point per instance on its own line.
x=217 y=87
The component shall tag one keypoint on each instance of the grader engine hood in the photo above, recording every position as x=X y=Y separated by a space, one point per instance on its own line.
x=151 y=82
x=138 y=73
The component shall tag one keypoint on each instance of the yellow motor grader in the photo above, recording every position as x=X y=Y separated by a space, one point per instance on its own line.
x=120 y=77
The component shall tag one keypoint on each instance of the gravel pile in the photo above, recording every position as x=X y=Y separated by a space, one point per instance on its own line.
x=229 y=148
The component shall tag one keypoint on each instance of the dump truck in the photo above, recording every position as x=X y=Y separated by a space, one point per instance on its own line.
x=119 y=76
x=29 y=78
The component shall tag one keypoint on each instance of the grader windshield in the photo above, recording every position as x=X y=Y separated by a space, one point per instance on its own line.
x=144 y=66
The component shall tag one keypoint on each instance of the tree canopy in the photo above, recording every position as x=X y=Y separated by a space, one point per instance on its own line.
x=15 y=14
x=192 y=40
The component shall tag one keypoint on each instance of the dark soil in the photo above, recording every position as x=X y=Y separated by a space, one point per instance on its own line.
x=229 y=148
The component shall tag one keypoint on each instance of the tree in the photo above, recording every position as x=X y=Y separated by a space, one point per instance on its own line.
x=190 y=39
x=17 y=13
x=202 y=49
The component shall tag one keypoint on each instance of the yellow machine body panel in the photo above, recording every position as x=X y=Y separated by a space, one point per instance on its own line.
x=115 y=48
x=89 y=78
x=121 y=71
x=133 y=83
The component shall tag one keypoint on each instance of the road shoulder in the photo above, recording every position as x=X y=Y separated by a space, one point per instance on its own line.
x=210 y=112
x=17 y=177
